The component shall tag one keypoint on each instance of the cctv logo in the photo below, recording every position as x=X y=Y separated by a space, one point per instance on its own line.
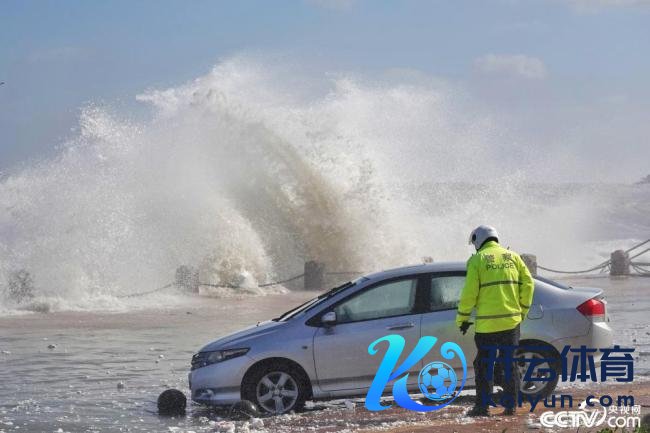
x=573 y=419
x=437 y=380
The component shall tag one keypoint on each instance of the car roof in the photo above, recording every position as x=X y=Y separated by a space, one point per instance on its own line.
x=423 y=268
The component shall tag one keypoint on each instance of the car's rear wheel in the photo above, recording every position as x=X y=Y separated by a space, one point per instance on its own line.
x=275 y=389
x=545 y=359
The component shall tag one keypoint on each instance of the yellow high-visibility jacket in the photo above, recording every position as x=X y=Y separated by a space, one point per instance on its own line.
x=499 y=286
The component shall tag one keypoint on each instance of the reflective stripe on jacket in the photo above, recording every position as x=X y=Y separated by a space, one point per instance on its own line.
x=499 y=286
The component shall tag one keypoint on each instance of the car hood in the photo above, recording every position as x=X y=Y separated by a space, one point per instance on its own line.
x=240 y=337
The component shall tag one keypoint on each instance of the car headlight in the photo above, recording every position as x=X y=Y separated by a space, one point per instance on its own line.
x=202 y=359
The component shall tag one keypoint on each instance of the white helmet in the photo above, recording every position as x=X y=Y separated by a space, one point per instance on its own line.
x=481 y=234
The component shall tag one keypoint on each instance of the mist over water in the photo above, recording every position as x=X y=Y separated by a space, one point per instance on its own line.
x=252 y=169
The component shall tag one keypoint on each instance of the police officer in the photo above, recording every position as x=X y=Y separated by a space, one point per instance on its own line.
x=499 y=286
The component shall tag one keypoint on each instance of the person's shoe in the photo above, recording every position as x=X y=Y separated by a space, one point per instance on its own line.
x=509 y=411
x=478 y=411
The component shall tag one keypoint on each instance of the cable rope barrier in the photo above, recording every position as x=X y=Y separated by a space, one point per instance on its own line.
x=604 y=266
x=230 y=286
x=149 y=292
x=641 y=269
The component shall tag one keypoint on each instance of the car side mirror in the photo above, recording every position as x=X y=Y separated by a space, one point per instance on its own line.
x=329 y=319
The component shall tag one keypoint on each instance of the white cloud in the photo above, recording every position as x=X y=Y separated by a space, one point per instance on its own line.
x=511 y=64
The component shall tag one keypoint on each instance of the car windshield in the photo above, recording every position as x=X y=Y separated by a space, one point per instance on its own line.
x=317 y=300
x=553 y=283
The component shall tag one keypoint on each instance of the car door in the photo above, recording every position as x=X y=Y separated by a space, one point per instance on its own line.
x=341 y=351
x=442 y=294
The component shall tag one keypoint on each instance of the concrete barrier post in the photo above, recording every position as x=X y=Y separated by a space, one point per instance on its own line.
x=314 y=275
x=620 y=263
x=20 y=286
x=531 y=262
x=187 y=278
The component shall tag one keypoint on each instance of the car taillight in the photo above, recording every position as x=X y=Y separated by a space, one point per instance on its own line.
x=593 y=309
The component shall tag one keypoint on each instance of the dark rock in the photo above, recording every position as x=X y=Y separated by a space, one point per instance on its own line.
x=172 y=402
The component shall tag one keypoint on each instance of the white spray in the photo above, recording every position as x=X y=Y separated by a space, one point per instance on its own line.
x=244 y=172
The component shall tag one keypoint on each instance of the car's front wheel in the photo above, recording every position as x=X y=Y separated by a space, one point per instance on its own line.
x=275 y=389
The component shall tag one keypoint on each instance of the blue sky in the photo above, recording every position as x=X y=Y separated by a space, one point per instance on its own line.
x=573 y=61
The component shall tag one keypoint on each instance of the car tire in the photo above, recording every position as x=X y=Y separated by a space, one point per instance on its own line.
x=275 y=389
x=538 y=389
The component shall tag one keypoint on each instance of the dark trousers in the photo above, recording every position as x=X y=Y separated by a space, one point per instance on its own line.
x=484 y=367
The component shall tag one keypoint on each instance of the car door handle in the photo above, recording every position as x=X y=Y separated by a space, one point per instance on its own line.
x=401 y=326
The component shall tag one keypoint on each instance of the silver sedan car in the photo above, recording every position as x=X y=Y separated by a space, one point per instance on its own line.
x=319 y=350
